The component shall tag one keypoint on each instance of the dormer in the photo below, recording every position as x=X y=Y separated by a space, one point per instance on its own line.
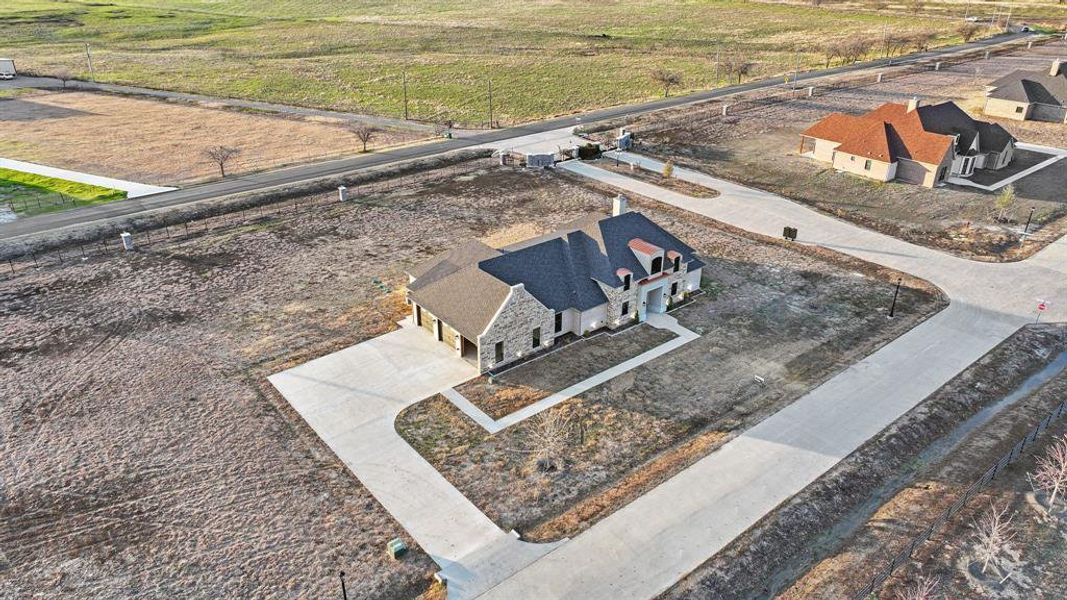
x=649 y=255
x=627 y=278
x=674 y=260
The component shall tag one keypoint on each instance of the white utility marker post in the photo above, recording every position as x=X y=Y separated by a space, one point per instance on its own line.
x=127 y=241
x=342 y=193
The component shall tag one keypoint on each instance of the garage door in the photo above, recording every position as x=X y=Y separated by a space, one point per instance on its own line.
x=911 y=171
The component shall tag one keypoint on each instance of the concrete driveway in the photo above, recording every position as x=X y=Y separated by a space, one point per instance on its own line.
x=351 y=399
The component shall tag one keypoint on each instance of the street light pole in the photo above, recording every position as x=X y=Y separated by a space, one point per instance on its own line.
x=1026 y=229
x=490 y=104
x=344 y=592
x=405 y=95
x=896 y=292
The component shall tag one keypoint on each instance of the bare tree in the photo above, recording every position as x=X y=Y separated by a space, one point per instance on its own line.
x=916 y=6
x=993 y=534
x=63 y=75
x=968 y=31
x=1051 y=473
x=923 y=588
x=833 y=50
x=364 y=133
x=667 y=79
x=737 y=65
x=855 y=50
x=547 y=441
x=896 y=43
x=920 y=42
x=221 y=156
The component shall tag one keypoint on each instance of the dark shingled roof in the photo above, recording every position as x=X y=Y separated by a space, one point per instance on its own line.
x=560 y=270
x=1032 y=86
x=446 y=263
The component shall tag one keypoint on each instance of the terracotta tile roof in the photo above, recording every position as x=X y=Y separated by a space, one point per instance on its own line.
x=643 y=247
x=891 y=132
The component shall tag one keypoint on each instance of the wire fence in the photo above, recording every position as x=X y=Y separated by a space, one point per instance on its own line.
x=1010 y=457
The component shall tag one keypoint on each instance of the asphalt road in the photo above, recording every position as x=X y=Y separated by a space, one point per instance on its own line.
x=267 y=179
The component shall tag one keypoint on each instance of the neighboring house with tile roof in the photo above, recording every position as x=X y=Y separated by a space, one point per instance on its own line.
x=494 y=307
x=913 y=143
x=1030 y=95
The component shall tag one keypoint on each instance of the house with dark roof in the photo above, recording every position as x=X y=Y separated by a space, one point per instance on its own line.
x=913 y=143
x=1030 y=95
x=496 y=306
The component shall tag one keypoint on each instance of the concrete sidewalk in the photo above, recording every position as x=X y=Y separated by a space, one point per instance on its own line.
x=132 y=189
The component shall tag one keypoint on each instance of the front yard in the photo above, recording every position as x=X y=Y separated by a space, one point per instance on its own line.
x=776 y=321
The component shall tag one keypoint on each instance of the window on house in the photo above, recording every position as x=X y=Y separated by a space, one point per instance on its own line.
x=941 y=174
x=559 y=322
x=867 y=165
x=498 y=352
x=674 y=289
x=852 y=158
x=657 y=264
x=537 y=337
x=1018 y=109
x=625 y=309
x=677 y=263
x=626 y=282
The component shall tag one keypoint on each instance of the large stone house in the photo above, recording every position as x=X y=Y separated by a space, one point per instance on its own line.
x=1030 y=95
x=914 y=143
x=494 y=307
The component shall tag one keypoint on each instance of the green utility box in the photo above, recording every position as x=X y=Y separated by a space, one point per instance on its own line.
x=397 y=548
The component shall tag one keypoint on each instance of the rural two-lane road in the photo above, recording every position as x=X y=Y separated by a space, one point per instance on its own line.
x=296 y=174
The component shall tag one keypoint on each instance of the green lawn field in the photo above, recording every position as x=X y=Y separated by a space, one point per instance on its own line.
x=28 y=194
x=543 y=57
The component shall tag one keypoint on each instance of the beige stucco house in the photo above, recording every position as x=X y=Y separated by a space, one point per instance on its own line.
x=1030 y=95
x=918 y=144
x=497 y=306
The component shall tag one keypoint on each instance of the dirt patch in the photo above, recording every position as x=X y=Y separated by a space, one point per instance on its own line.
x=786 y=543
x=792 y=315
x=145 y=451
x=670 y=183
x=163 y=143
x=760 y=147
x=578 y=360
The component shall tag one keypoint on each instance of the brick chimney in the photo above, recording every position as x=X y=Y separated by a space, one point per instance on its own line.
x=914 y=103
x=618 y=205
x=1056 y=66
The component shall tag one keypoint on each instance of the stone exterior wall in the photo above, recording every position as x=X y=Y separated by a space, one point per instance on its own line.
x=514 y=325
x=616 y=296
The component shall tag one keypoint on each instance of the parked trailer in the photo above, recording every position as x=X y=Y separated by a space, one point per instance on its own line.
x=7 y=68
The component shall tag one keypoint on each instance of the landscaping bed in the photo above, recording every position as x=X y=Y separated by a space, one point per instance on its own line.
x=791 y=315
x=502 y=394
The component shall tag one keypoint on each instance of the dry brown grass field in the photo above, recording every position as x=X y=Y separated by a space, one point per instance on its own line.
x=163 y=142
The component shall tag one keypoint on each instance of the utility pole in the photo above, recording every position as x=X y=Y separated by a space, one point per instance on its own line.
x=405 y=95
x=718 y=50
x=89 y=59
x=1007 y=21
x=490 y=104
x=344 y=592
x=796 y=69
